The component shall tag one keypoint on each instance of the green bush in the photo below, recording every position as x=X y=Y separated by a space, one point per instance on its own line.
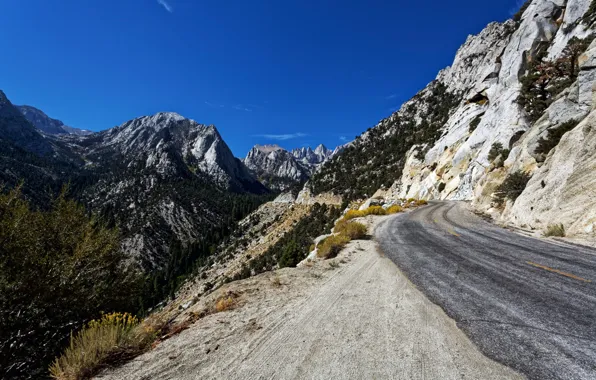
x=474 y=123
x=58 y=269
x=555 y=230
x=497 y=150
x=331 y=246
x=554 y=135
x=512 y=187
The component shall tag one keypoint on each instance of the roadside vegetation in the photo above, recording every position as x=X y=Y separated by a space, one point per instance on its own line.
x=59 y=269
x=555 y=230
x=114 y=337
x=511 y=188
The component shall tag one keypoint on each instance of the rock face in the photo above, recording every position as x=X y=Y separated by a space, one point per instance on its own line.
x=48 y=125
x=167 y=142
x=488 y=74
x=312 y=158
x=280 y=170
x=275 y=167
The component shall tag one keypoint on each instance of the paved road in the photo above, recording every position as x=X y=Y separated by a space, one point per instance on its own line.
x=525 y=302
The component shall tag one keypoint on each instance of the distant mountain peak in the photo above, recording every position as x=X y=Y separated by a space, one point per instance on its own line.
x=46 y=124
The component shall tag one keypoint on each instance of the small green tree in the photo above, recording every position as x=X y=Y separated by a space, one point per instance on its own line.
x=512 y=187
x=58 y=269
x=554 y=136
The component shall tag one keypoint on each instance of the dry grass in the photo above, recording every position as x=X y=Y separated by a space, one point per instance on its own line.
x=376 y=210
x=276 y=281
x=555 y=230
x=331 y=246
x=352 y=214
x=394 y=209
x=225 y=303
x=353 y=230
x=113 y=338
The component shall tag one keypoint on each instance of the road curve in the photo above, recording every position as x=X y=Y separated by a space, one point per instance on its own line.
x=525 y=302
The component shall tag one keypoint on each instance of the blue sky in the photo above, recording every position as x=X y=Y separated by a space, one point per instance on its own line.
x=263 y=71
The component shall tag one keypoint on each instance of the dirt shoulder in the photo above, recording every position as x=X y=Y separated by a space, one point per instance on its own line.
x=352 y=317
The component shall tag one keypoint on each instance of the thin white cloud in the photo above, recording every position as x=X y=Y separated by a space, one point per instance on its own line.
x=240 y=107
x=165 y=5
x=209 y=104
x=283 y=137
x=343 y=138
x=392 y=96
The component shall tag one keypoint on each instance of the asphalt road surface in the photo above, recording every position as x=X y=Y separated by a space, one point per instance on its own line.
x=527 y=303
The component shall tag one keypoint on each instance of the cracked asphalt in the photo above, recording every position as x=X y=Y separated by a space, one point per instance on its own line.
x=525 y=302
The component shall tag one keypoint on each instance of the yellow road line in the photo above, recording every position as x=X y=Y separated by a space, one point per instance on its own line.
x=557 y=271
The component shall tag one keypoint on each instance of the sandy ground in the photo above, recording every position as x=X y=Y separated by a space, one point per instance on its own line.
x=352 y=317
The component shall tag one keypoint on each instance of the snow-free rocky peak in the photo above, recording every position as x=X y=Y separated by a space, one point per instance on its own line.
x=48 y=125
x=309 y=157
x=170 y=142
x=275 y=167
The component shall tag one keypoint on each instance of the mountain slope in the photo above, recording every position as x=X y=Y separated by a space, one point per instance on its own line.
x=15 y=129
x=164 y=178
x=172 y=144
x=48 y=125
x=511 y=91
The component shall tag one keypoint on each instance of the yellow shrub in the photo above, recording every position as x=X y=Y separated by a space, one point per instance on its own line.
x=394 y=209
x=352 y=230
x=421 y=202
x=376 y=210
x=225 y=303
x=91 y=347
x=351 y=214
x=331 y=246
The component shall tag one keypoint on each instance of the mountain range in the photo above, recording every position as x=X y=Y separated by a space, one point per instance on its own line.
x=160 y=178
x=280 y=169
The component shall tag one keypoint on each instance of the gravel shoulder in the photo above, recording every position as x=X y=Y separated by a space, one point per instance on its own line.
x=357 y=318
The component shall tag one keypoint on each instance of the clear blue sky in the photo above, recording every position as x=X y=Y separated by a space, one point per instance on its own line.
x=316 y=71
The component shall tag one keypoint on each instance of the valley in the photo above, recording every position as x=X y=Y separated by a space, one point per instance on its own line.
x=452 y=239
